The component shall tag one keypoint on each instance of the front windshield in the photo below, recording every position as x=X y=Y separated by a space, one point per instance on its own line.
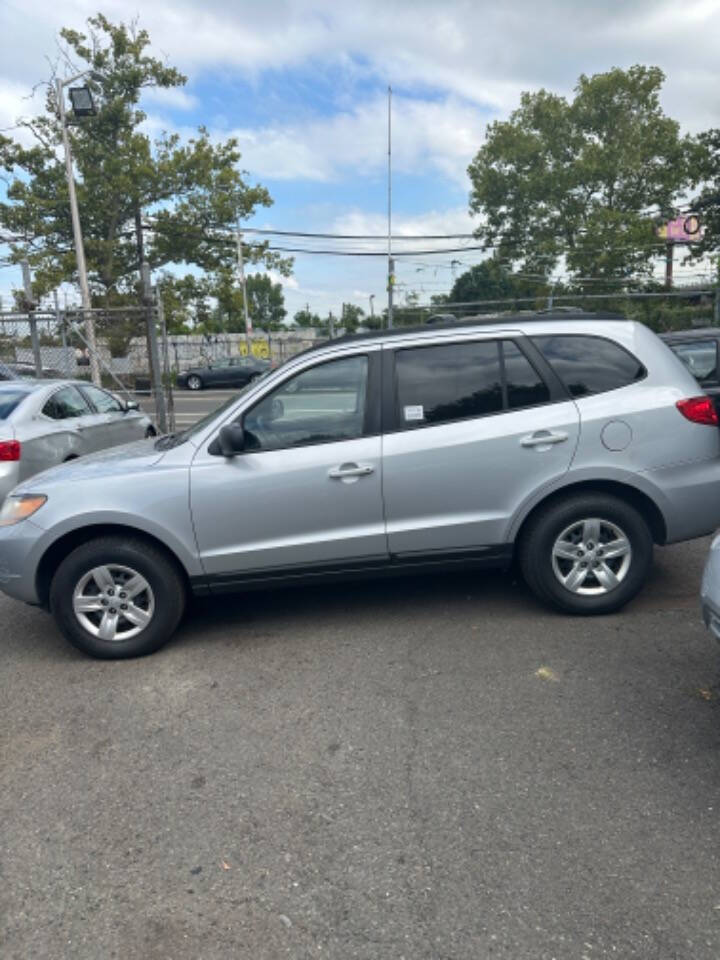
x=175 y=439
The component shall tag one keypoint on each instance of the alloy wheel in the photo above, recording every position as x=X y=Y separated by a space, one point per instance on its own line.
x=591 y=557
x=113 y=602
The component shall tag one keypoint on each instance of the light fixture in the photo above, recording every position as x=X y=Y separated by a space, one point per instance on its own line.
x=82 y=102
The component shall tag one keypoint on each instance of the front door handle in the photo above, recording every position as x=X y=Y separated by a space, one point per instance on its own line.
x=350 y=470
x=543 y=438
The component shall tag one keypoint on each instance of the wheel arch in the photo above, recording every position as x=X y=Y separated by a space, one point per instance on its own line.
x=60 y=548
x=643 y=503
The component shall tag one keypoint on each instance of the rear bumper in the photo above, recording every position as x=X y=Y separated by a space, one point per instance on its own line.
x=688 y=495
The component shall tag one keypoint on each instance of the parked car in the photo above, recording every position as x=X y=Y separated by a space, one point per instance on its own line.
x=710 y=590
x=20 y=370
x=570 y=445
x=46 y=423
x=225 y=372
x=698 y=350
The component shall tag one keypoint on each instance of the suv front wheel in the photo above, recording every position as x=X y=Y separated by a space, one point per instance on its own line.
x=117 y=597
x=589 y=554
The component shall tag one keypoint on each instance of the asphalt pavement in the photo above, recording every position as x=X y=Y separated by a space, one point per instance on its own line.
x=424 y=768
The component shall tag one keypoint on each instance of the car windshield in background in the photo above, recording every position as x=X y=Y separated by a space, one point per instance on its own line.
x=10 y=398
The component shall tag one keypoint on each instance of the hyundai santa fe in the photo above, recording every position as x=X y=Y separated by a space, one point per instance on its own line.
x=568 y=445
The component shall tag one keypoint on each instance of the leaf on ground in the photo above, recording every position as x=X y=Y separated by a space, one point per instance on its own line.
x=705 y=693
x=545 y=673
x=224 y=864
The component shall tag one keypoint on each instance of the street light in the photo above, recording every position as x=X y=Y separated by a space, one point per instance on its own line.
x=82 y=101
x=82 y=107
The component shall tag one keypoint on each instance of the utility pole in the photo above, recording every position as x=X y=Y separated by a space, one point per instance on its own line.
x=153 y=351
x=372 y=304
x=391 y=284
x=30 y=307
x=77 y=235
x=241 y=273
x=331 y=325
x=391 y=265
x=169 y=398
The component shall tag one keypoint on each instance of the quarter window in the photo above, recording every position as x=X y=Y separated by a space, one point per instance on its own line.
x=588 y=365
x=323 y=404
x=462 y=380
x=66 y=404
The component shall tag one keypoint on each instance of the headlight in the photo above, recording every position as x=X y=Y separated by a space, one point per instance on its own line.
x=20 y=508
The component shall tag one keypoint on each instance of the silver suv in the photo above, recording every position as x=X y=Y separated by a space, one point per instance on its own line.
x=569 y=445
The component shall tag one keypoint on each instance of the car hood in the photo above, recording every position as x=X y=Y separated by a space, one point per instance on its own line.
x=128 y=458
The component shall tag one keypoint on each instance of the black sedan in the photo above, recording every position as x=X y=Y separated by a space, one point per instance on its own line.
x=223 y=372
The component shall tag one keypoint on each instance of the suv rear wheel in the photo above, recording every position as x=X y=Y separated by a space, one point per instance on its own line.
x=117 y=597
x=589 y=554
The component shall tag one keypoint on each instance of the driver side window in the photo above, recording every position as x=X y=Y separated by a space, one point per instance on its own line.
x=323 y=404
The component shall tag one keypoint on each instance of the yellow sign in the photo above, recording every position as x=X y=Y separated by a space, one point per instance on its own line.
x=259 y=349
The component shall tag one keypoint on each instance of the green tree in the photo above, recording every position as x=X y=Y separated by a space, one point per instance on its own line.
x=575 y=179
x=266 y=302
x=163 y=201
x=351 y=317
x=707 y=203
x=306 y=318
x=490 y=280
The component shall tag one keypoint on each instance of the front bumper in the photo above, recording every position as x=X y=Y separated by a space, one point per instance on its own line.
x=710 y=590
x=18 y=564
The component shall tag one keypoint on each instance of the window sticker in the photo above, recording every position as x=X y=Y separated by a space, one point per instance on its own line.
x=414 y=412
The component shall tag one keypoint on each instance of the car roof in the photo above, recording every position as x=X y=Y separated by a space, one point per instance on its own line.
x=499 y=320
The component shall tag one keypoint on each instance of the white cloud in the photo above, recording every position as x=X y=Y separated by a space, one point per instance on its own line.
x=176 y=98
x=442 y=136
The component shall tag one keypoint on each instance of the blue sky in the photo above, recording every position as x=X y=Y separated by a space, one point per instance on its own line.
x=302 y=84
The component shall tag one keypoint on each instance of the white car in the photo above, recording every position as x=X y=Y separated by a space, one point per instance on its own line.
x=44 y=423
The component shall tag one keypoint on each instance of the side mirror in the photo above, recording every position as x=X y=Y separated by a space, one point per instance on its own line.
x=229 y=442
x=131 y=405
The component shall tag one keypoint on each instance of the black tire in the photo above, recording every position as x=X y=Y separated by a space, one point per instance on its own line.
x=150 y=432
x=537 y=560
x=194 y=382
x=158 y=570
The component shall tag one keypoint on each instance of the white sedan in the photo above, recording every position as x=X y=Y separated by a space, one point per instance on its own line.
x=47 y=422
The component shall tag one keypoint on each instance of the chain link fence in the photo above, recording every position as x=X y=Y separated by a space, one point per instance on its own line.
x=54 y=345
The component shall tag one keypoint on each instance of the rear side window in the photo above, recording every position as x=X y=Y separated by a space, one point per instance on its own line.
x=588 y=365
x=525 y=388
x=463 y=380
x=699 y=356
x=450 y=382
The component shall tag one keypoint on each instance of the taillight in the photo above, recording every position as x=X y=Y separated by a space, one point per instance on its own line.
x=9 y=450
x=699 y=410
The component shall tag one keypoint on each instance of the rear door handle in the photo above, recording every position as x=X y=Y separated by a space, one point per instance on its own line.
x=350 y=470
x=543 y=438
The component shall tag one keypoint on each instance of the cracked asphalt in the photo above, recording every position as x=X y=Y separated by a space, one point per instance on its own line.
x=428 y=768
